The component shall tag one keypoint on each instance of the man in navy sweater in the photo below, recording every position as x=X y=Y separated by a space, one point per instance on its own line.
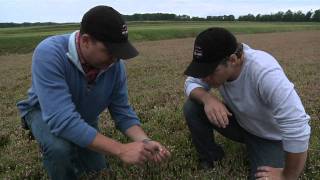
x=75 y=77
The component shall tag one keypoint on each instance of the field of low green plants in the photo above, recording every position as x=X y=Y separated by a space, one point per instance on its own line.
x=155 y=81
x=23 y=40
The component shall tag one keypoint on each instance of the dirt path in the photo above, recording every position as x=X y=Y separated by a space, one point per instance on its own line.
x=285 y=45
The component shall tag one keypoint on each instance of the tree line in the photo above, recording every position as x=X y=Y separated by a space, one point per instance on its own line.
x=288 y=16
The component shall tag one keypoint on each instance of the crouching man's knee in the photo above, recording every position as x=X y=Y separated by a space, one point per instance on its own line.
x=60 y=150
x=192 y=110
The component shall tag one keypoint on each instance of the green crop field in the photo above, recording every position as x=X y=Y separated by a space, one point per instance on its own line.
x=156 y=81
x=23 y=40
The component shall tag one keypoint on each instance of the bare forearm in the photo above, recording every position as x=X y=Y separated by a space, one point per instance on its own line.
x=294 y=164
x=136 y=133
x=105 y=145
x=200 y=95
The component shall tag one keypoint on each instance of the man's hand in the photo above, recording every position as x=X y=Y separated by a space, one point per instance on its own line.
x=159 y=152
x=269 y=173
x=156 y=152
x=138 y=153
x=135 y=153
x=216 y=111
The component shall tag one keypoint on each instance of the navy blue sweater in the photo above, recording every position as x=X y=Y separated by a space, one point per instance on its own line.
x=68 y=104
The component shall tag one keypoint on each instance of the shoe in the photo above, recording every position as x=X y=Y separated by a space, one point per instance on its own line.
x=219 y=154
x=207 y=164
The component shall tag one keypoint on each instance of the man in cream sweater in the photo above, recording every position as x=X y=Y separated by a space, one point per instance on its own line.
x=260 y=106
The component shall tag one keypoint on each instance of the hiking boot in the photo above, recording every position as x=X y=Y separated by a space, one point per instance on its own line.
x=206 y=164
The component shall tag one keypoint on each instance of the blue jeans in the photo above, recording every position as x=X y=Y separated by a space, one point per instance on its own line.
x=61 y=158
x=261 y=152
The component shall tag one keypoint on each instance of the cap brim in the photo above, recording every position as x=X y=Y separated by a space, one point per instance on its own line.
x=200 y=70
x=122 y=50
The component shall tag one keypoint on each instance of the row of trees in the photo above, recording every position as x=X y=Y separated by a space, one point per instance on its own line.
x=174 y=17
x=150 y=17
x=288 y=16
x=26 y=24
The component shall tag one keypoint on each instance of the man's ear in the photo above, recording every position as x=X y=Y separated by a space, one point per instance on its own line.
x=233 y=59
x=85 y=38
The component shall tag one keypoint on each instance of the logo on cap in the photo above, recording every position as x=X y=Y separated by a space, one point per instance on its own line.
x=124 y=30
x=197 y=52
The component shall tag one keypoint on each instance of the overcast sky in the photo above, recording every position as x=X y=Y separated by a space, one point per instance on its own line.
x=72 y=10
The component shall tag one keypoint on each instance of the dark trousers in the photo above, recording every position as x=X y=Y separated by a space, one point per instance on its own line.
x=261 y=152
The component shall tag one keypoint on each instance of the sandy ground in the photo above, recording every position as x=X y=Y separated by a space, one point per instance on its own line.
x=285 y=45
x=297 y=52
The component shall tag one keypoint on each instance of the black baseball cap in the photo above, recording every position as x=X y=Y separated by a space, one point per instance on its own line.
x=106 y=25
x=211 y=47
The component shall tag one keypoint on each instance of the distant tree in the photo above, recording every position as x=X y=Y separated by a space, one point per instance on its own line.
x=249 y=17
x=212 y=18
x=221 y=18
x=215 y=18
x=183 y=17
x=265 y=17
x=272 y=17
x=27 y=24
x=230 y=18
x=198 y=19
x=298 y=16
x=288 y=16
x=258 y=17
x=150 y=17
x=308 y=16
x=316 y=16
x=279 y=16
x=134 y=17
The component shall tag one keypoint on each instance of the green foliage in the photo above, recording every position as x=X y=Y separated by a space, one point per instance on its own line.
x=288 y=16
x=150 y=17
x=19 y=44
x=316 y=16
x=24 y=40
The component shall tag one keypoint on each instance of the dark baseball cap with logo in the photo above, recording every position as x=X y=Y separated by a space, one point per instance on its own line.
x=211 y=47
x=106 y=25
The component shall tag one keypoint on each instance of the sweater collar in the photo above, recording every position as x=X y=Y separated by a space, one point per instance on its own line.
x=72 y=51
